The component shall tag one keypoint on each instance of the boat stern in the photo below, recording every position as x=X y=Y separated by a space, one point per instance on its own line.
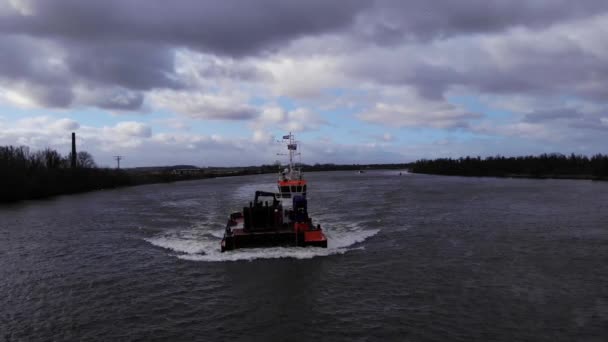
x=315 y=238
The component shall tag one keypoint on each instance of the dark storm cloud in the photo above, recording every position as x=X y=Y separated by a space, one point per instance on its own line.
x=391 y=21
x=530 y=69
x=430 y=80
x=22 y=59
x=570 y=117
x=133 y=66
x=51 y=96
x=131 y=44
x=542 y=70
x=226 y=27
x=240 y=28
x=551 y=115
x=47 y=72
x=29 y=67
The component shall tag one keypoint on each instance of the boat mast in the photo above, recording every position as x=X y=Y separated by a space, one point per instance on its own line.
x=292 y=147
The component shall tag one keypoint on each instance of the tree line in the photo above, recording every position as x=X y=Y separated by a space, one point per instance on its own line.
x=27 y=175
x=553 y=165
x=355 y=167
x=273 y=168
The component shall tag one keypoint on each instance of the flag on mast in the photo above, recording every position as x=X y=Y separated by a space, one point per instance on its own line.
x=286 y=137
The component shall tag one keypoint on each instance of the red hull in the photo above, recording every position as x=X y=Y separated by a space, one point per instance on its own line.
x=285 y=236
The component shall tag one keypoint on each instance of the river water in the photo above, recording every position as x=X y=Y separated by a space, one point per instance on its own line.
x=410 y=258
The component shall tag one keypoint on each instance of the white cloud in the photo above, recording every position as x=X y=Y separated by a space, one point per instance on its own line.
x=261 y=136
x=131 y=129
x=64 y=125
x=23 y=7
x=136 y=142
x=202 y=70
x=297 y=120
x=198 y=105
x=303 y=77
x=44 y=131
x=43 y=125
x=272 y=115
x=403 y=107
x=16 y=97
x=381 y=69
x=177 y=123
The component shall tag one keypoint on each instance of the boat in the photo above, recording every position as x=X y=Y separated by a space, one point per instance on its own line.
x=276 y=219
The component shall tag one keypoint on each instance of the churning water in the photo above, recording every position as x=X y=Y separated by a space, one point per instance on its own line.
x=410 y=258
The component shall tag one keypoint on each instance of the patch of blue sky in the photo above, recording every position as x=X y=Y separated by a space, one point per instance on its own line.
x=341 y=92
x=258 y=101
x=422 y=135
x=161 y=122
x=472 y=104
x=338 y=126
x=84 y=116
x=342 y=124
x=287 y=103
x=233 y=129
x=282 y=101
x=100 y=117
x=14 y=113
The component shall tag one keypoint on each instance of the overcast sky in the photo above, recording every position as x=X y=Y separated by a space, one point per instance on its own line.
x=216 y=82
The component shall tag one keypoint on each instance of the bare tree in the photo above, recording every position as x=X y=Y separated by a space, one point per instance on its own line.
x=85 y=160
x=52 y=159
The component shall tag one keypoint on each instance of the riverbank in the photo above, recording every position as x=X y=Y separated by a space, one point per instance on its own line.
x=65 y=181
x=523 y=176
x=554 y=166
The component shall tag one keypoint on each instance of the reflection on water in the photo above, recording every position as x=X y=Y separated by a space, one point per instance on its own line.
x=410 y=257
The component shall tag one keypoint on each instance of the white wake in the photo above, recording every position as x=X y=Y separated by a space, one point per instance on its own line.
x=199 y=244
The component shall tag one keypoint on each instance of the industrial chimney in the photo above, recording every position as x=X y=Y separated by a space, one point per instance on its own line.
x=73 y=150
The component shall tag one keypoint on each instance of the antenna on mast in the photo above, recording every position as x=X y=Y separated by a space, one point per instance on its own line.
x=292 y=147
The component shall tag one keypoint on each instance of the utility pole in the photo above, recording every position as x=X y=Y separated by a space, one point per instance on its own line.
x=118 y=158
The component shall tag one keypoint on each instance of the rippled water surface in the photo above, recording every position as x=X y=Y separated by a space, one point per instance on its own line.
x=410 y=258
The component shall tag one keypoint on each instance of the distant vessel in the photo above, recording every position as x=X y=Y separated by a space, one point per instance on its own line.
x=281 y=220
x=360 y=171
